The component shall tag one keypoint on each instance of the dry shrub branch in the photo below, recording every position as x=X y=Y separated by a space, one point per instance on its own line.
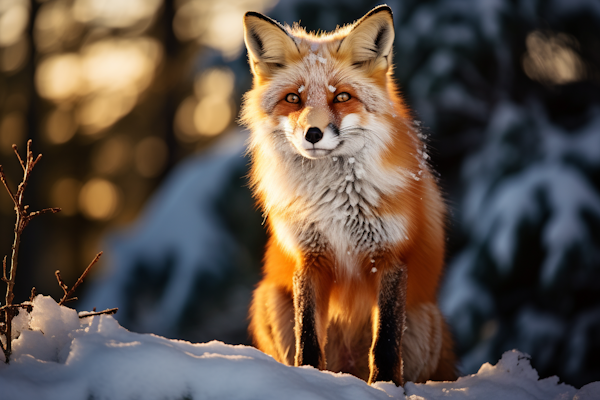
x=68 y=293
x=24 y=216
x=9 y=310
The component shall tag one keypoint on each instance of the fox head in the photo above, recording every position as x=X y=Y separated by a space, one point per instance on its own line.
x=323 y=95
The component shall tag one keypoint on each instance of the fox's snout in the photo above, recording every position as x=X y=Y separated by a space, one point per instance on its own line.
x=313 y=135
x=315 y=120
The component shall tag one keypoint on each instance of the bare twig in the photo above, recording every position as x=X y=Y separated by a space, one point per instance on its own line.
x=23 y=218
x=3 y=178
x=14 y=147
x=4 y=278
x=52 y=210
x=108 y=311
x=25 y=305
x=61 y=283
x=67 y=297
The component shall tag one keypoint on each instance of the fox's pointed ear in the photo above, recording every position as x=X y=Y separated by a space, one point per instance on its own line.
x=269 y=45
x=371 y=38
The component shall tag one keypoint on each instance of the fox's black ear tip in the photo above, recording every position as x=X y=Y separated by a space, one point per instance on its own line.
x=254 y=14
x=381 y=8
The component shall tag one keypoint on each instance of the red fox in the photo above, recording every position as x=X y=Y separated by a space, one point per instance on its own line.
x=355 y=216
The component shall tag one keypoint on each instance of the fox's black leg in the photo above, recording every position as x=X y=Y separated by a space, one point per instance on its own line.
x=308 y=351
x=386 y=351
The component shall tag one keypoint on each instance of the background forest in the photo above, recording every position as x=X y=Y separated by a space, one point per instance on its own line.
x=133 y=104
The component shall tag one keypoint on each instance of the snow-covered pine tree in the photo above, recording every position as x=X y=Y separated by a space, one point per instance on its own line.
x=511 y=88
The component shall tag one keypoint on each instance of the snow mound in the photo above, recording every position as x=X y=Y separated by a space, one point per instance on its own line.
x=63 y=356
x=512 y=377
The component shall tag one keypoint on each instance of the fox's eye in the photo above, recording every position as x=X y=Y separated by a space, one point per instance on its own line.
x=292 y=98
x=342 y=97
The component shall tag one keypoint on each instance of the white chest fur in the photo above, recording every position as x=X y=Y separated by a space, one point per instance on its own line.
x=336 y=210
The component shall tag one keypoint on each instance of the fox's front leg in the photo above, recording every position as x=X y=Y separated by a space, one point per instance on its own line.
x=310 y=309
x=385 y=358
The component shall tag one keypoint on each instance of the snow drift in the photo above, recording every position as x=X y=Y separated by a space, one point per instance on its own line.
x=57 y=355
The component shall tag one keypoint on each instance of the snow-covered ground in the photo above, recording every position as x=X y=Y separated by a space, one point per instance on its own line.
x=60 y=356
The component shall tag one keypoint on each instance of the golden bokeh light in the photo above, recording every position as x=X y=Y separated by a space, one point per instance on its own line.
x=13 y=21
x=99 y=199
x=64 y=194
x=60 y=126
x=189 y=21
x=215 y=82
x=112 y=156
x=54 y=26
x=120 y=64
x=212 y=115
x=114 y=13
x=225 y=32
x=98 y=112
x=551 y=58
x=211 y=110
x=12 y=131
x=107 y=77
x=184 y=120
x=58 y=77
x=214 y=111
x=150 y=156
x=216 y=23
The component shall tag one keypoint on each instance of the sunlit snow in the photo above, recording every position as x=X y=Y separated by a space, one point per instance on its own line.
x=64 y=357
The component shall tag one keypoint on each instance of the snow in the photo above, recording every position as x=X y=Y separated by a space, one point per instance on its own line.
x=312 y=58
x=511 y=378
x=67 y=357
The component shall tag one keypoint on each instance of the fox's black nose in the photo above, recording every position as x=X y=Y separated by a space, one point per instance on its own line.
x=313 y=135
